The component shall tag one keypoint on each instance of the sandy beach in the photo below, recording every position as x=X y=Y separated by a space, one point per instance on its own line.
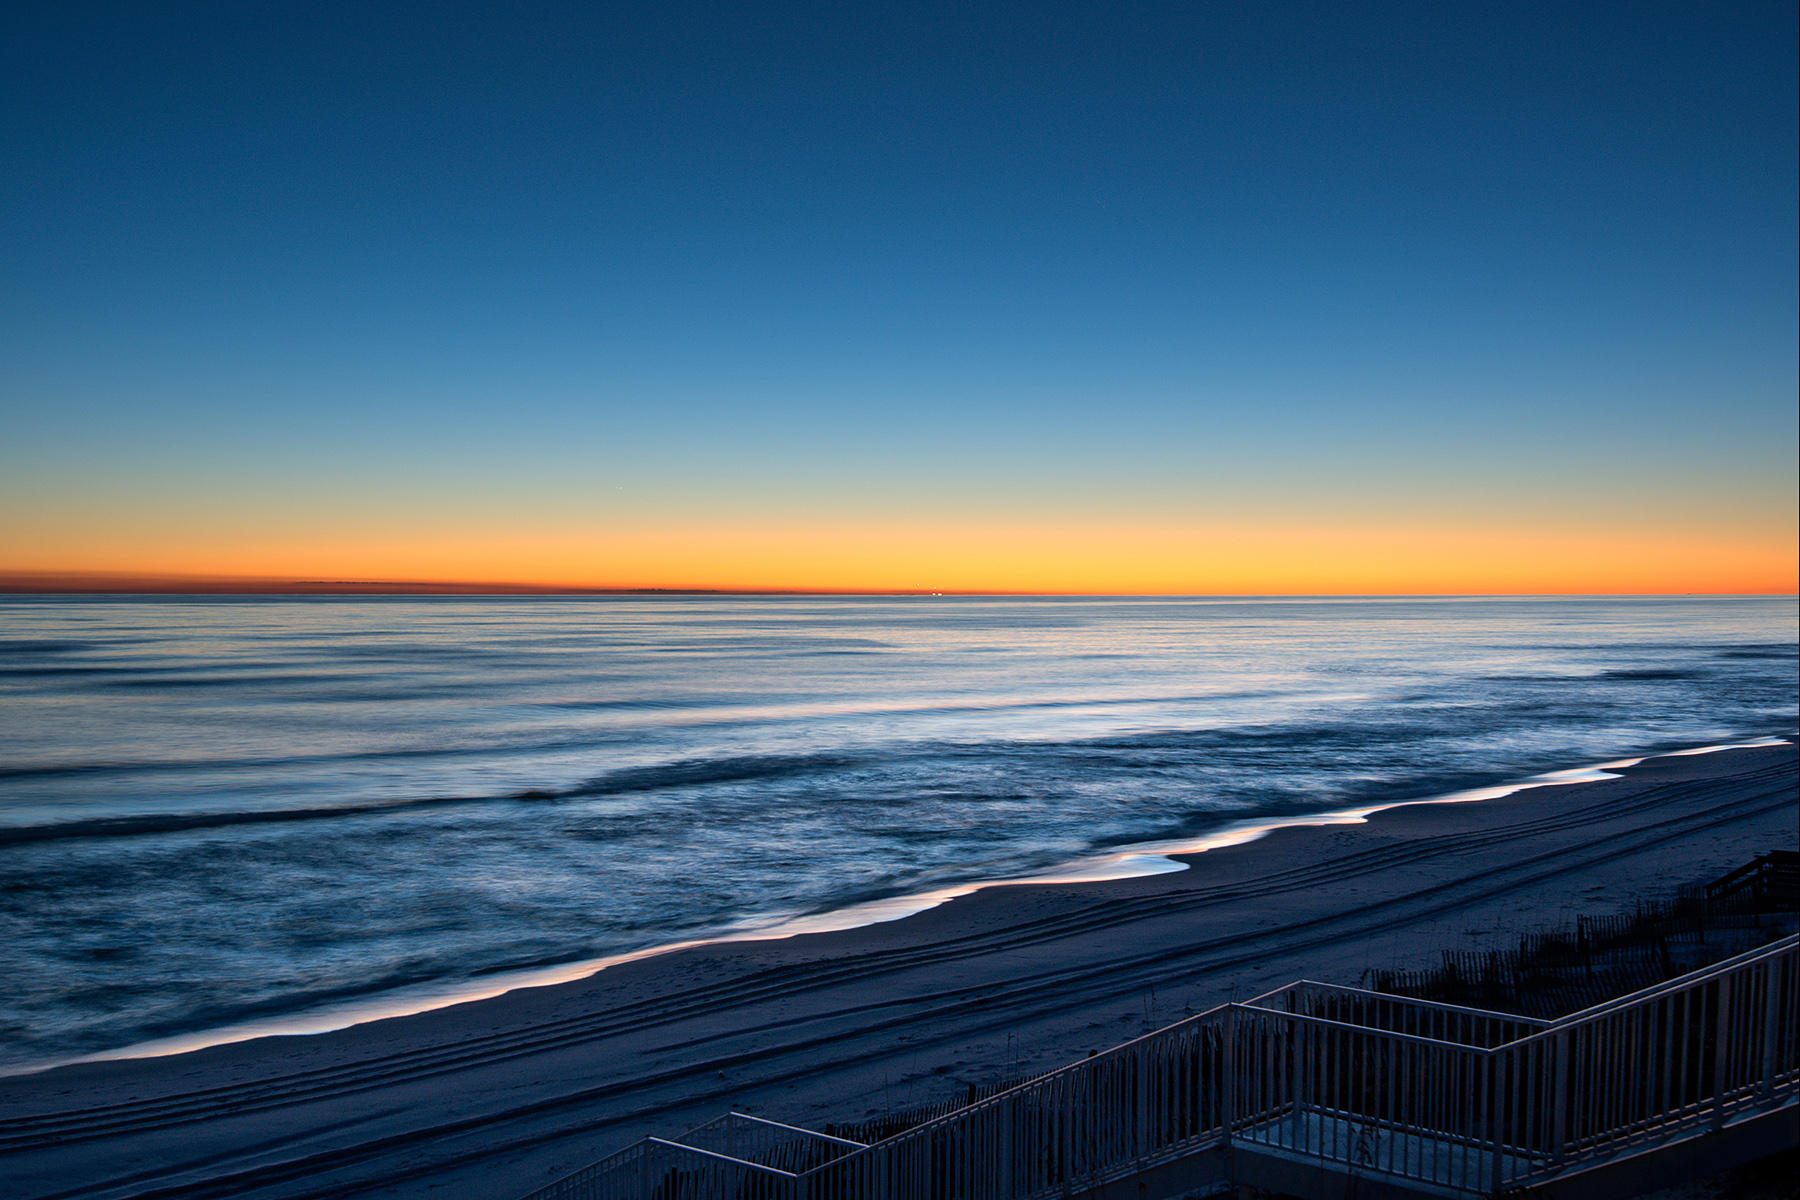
x=497 y=1097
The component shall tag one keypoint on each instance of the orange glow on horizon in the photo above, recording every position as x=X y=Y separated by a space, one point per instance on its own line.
x=1118 y=559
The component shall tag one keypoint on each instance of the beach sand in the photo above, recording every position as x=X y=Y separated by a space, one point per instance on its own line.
x=496 y=1097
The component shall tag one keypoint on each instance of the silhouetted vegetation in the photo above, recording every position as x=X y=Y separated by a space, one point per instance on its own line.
x=1553 y=972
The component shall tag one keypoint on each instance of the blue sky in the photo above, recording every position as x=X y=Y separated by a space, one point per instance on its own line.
x=1535 y=262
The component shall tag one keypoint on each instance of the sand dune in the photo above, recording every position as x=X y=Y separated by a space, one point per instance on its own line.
x=496 y=1097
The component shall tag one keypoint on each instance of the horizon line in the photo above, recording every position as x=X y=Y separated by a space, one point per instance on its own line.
x=77 y=583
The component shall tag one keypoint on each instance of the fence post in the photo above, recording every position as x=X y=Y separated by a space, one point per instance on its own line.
x=1721 y=1049
x=1227 y=1074
x=1559 y=1103
x=1771 y=1026
x=1142 y=1138
x=1301 y=1034
x=1003 y=1113
x=1496 y=1091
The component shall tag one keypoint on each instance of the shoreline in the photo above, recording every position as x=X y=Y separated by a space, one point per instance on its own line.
x=1130 y=861
x=497 y=1097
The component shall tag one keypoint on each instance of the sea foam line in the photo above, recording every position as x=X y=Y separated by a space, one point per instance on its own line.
x=1148 y=858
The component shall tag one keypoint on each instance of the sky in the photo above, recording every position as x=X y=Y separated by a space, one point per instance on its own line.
x=1101 y=297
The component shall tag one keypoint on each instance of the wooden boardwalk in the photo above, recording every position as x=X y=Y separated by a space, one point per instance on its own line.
x=1424 y=1097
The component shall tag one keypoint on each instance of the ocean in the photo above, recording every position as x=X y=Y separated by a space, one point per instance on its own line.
x=217 y=812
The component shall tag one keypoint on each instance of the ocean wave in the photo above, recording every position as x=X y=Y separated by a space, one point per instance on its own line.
x=293 y=679
x=155 y=674
x=515 y=783
x=1783 y=652
x=697 y=772
x=690 y=773
x=41 y=646
x=144 y=824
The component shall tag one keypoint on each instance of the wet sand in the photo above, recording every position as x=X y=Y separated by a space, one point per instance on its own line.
x=496 y=1097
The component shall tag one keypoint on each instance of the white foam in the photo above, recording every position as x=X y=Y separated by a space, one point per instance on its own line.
x=1150 y=858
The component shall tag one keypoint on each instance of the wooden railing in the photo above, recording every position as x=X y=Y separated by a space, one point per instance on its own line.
x=1454 y=1098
